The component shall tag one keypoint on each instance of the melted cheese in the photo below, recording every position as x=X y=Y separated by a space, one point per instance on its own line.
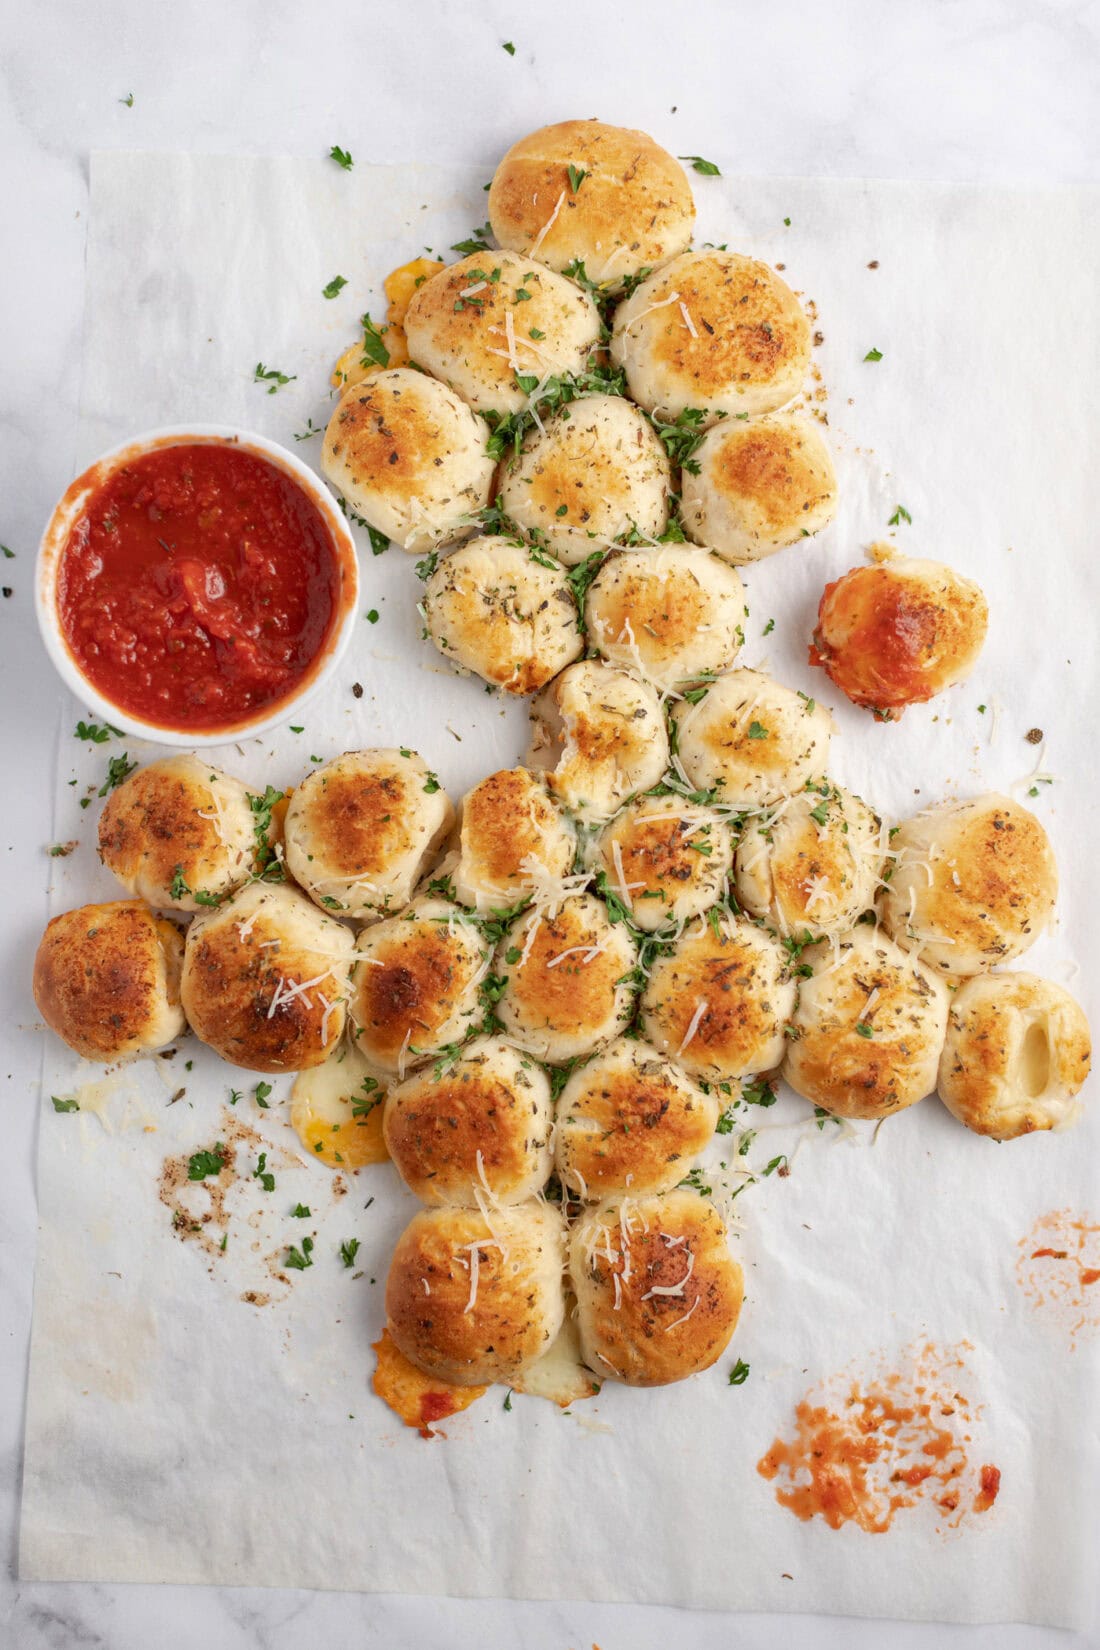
x=322 y=1114
x=416 y=1398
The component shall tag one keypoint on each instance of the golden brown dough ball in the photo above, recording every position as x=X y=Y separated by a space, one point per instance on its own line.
x=601 y=735
x=512 y=837
x=670 y=613
x=812 y=864
x=415 y=988
x=752 y=740
x=666 y=859
x=759 y=484
x=107 y=979
x=567 y=991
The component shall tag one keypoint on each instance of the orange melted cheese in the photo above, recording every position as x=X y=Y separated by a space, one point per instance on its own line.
x=399 y=286
x=416 y=1398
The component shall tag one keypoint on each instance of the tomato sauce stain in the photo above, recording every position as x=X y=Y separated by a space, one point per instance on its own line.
x=1057 y=1266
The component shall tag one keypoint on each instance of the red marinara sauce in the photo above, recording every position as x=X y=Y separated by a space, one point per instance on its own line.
x=198 y=586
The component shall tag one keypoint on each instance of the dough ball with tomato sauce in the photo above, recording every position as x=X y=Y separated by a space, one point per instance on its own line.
x=472 y=1129
x=604 y=195
x=671 y=613
x=416 y=982
x=512 y=838
x=107 y=980
x=473 y=1298
x=974 y=884
x=869 y=1027
x=658 y=1292
x=360 y=830
x=897 y=634
x=567 y=979
x=410 y=457
x=760 y=484
x=505 y=612
x=665 y=859
x=601 y=735
x=1017 y=1053
x=812 y=864
x=493 y=317
x=591 y=475
x=266 y=978
x=713 y=332
x=752 y=740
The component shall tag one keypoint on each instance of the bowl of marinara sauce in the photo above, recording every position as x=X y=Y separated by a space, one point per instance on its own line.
x=196 y=585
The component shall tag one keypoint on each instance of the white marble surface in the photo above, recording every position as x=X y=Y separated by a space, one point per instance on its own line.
x=995 y=90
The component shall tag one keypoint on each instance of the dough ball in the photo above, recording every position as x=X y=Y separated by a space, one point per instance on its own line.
x=870 y=1025
x=591 y=475
x=601 y=735
x=759 y=484
x=480 y=322
x=473 y=1298
x=658 y=1292
x=715 y=332
x=631 y=209
x=473 y=1130
x=899 y=633
x=360 y=830
x=266 y=979
x=973 y=884
x=566 y=990
x=630 y=1122
x=107 y=979
x=812 y=864
x=719 y=1000
x=409 y=457
x=512 y=839
x=415 y=987
x=752 y=740
x=672 y=614
x=495 y=607
x=1017 y=1052
x=666 y=859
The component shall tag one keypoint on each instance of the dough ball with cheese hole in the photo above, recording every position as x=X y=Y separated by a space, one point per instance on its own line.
x=483 y=321
x=719 y=1000
x=671 y=613
x=713 y=332
x=630 y=1122
x=658 y=1292
x=568 y=989
x=973 y=884
x=601 y=734
x=410 y=457
x=760 y=484
x=177 y=829
x=591 y=475
x=870 y=1025
x=604 y=195
x=360 y=829
x=266 y=979
x=336 y=1110
x=1017 y=1052
x=752 y=740
x=416 y=983
x=473 y=1298
x=812 y=864
x=474 y=1128
x=666 y=859
x=505 y=612
x=512 y=839
x=107 y=979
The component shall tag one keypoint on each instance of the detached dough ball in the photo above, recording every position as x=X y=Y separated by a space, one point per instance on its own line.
x=512 y=839
x=974 y=884
x=594 y=472
x=360 y=830
x=472 y=1299
x=178 y=828
x=409 y=457
x=672 y=614
x=625 y=205
x=870 y=1025
x=478 y=1131
x=897 y=634
x=480 y=322
x=568 y=989
x=665 y=859
x=752 y=739
x=718 y=1002
x=493 y=608
x=658 y=1292
x=760 y=485
x=107 y=979
x=416 y=982
x=813 y=865
x=1018 y=1051
x=715 y=332
x=601 y=734
x=266 y=979
x=630 y=1122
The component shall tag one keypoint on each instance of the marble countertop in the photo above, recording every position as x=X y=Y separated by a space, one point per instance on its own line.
x=976 y=90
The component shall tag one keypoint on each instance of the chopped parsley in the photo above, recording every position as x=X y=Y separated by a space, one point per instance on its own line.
x=64 y=1105
x=263 y=1174
x=334 y=287
x=261 y=1093
x=577 y=175
x=118 y=769
x=375 y=352
x=478 y=241
x=299 y=1259
x=863 y=1029
x=342 y=157
x=507 y=46
x=272 y=377
x=900 y=514
x=739 y=1374
x=706 y=167
x=261 y=825
x=348 y=1252
x=757 y=730
x=201 y=1164
x=92 y=731
x=873 y=355
x=301 y=1211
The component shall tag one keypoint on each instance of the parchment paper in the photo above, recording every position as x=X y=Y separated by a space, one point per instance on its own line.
x=177 y=1433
